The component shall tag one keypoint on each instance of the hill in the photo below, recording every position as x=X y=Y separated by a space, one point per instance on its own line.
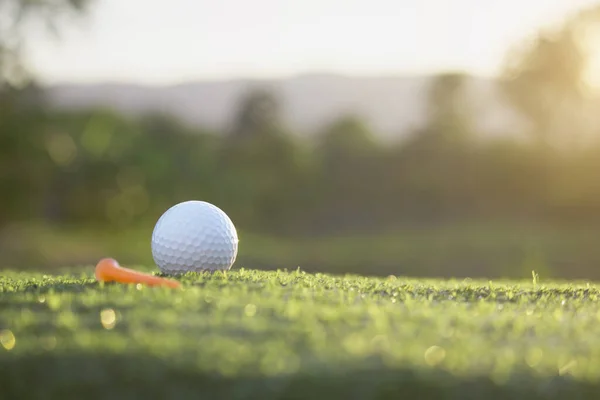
x=391 y=105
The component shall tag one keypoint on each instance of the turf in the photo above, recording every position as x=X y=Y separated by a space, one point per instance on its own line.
x=249 y=334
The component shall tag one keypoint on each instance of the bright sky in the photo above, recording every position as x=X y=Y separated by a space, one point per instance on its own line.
x=160 y=41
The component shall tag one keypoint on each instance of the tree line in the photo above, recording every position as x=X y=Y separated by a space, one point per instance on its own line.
x=98 y=167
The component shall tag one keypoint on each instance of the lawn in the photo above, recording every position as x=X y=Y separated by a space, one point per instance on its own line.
x=249 y=334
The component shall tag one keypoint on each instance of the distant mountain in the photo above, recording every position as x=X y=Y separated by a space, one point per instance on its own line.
x=392 y=106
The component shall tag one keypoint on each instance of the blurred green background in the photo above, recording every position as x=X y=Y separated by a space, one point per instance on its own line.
x=441 y=200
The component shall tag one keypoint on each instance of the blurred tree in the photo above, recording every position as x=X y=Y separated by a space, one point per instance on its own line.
x=449 y=118
x=17 y=17
x=349 y=183
x=543 y=78
x=24 y=160
x=348 y=135
x=258 y=114
x=264 y=168
x=179 y=162
x=434 y=168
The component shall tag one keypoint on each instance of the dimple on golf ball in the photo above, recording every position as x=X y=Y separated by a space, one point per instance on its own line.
x=194 y=236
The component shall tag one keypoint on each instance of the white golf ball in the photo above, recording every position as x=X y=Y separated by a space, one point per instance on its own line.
x=194 y=236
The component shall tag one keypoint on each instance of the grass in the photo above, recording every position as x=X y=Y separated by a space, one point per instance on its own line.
x=249 y=334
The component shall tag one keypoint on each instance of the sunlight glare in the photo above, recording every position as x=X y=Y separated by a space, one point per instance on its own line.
x=591 y=46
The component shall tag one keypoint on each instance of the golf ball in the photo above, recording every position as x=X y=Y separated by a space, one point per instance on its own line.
x=194 y=236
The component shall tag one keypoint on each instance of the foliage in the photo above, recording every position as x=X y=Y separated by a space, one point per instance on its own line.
x=258 y=114
x=97 y=167
x=18 y=17
x=544 y=79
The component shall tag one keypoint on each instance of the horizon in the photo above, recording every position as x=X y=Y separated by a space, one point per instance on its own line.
x=249 y=78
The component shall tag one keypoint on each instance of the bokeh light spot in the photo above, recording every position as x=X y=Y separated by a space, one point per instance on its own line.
x=7 y=339
x=61 y=148
x=434 y=355
x=250 y=310
x=533 y=357
x=108 y=318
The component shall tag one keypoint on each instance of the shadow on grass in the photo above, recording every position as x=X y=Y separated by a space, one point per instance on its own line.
x=105 y=376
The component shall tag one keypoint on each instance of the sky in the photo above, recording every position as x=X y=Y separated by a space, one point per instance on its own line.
x=165 y=42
